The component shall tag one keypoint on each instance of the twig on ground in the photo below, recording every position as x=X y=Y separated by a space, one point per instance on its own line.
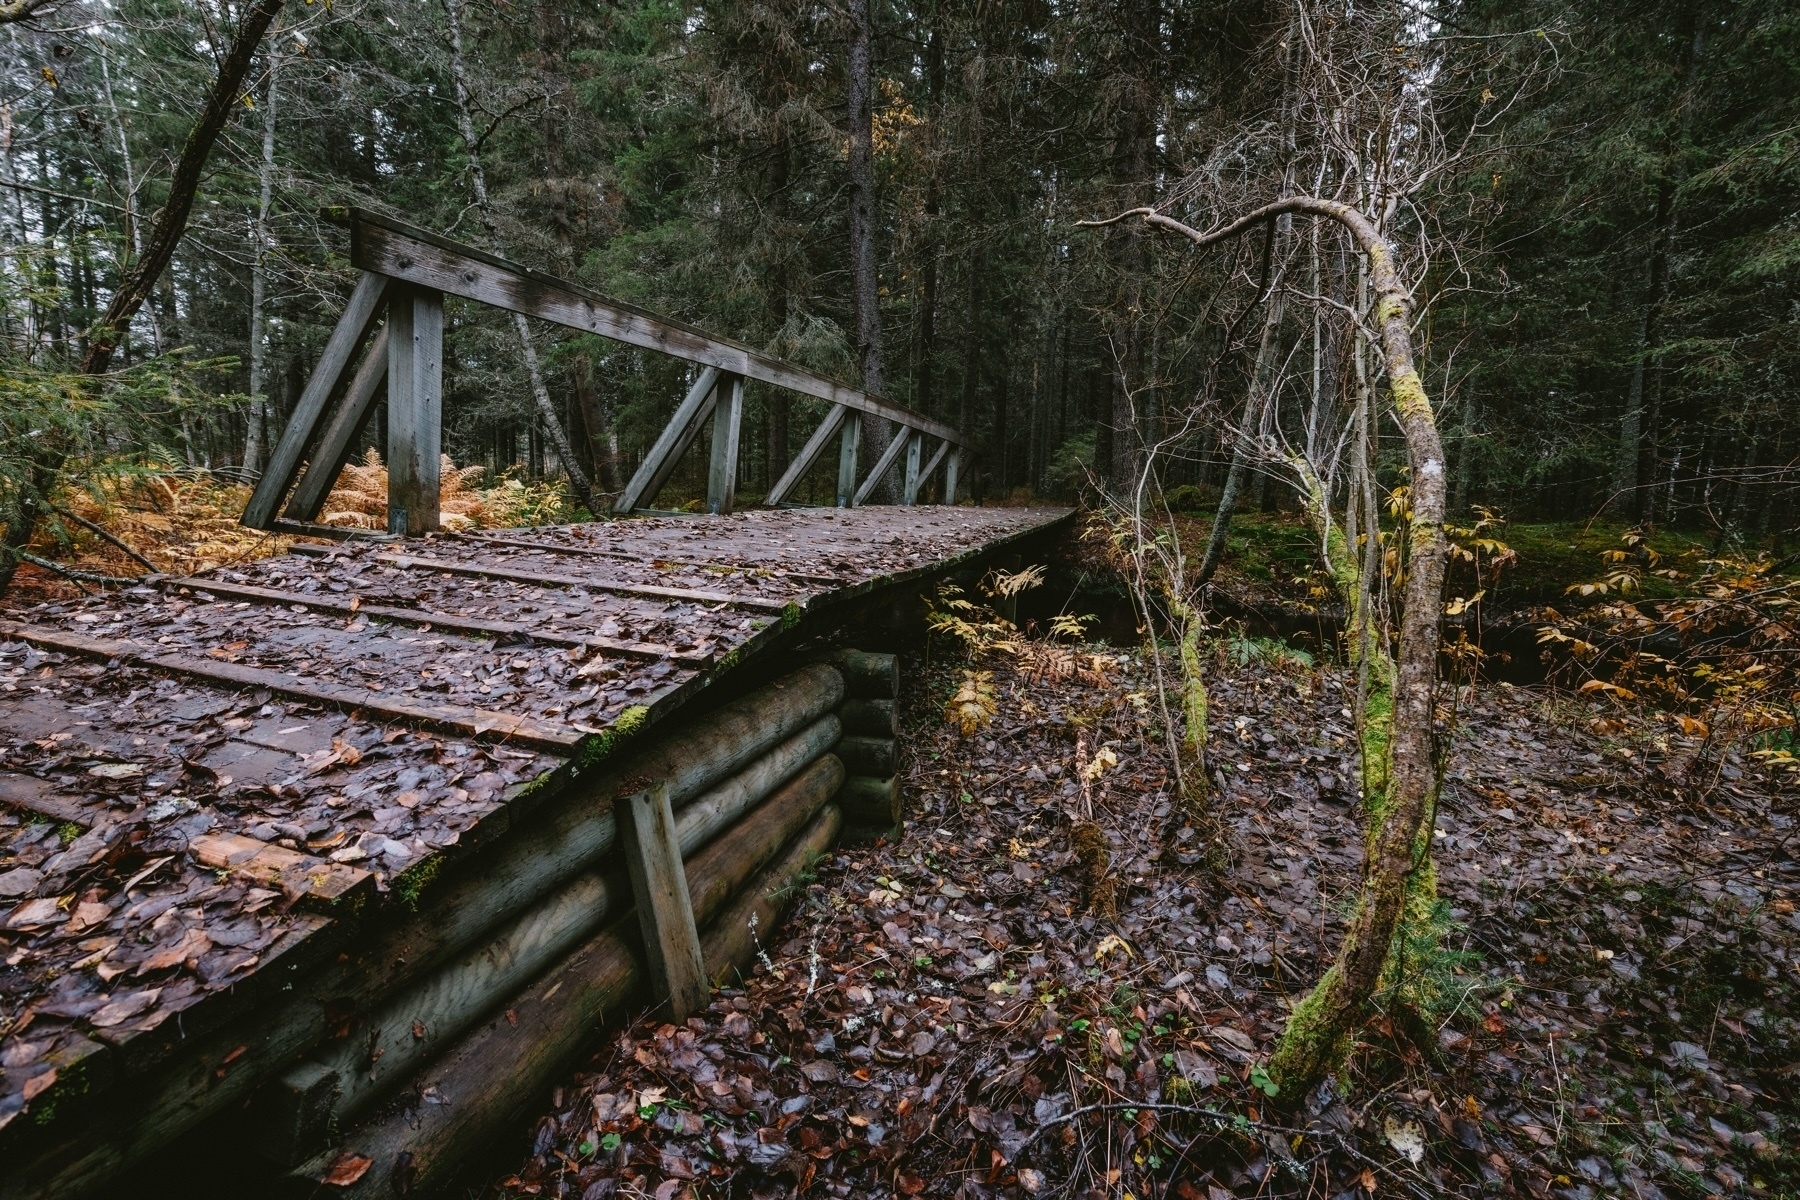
x=72 y=573
x=111 y=538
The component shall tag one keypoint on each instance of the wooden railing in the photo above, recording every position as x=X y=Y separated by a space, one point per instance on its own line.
x=406 y=274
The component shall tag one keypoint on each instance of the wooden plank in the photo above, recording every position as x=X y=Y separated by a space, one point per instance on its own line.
x=475 y=722
x=674 y=438
x=44 y=798
x=362 y=311
x=415 y=396
x=341 y=427
x=728 y=417
x=438 y=620
x=849 y=448
x=931 y=465
x=394 y=248
x=952 y=469
x=547 y=579
x=901 y=439
x=809 y=454
x=665 y=911
x=915 y=445
x=335 y=533
x=650 y=557
x=298 y=875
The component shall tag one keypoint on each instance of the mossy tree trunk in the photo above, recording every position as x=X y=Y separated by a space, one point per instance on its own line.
x=1322 y=1026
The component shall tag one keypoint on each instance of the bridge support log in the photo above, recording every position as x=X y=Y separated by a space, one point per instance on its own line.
x=415 y=396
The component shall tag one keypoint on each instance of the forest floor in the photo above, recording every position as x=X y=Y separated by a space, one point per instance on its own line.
x=954 y=1014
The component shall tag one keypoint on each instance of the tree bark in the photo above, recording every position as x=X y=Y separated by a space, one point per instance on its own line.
x=546 y=409
x=1321 y=1026
x=259 y=281
x=168 y=225
x=864 y=279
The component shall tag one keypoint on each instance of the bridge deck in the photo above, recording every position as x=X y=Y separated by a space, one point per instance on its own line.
x=226 y=761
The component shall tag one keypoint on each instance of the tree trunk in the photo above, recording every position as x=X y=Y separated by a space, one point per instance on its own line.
x=540 y=392
x=864 y=280
x=1321 y=1027
x=259 y=281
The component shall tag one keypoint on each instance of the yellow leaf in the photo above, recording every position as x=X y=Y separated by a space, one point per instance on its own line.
x=1111 y=942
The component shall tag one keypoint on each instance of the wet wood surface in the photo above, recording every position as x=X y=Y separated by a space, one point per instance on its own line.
x=197 y=774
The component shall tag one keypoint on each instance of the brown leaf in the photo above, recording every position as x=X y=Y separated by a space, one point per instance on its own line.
x=35 y=1086
x=347 y=1168
x=192 y=945
x=123 y=1007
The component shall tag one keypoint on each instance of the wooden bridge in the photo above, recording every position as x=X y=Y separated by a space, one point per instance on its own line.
x=397 y=313
x=316 y=857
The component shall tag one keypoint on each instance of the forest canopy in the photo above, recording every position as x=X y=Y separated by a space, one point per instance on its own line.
x=1594 y=203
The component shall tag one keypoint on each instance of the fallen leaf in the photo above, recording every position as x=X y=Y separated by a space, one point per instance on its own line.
x=34 y=914
x=347 y=1168
x=34 y=1087
x=117 y=770
x=123 y=1007
x=1405 y=1137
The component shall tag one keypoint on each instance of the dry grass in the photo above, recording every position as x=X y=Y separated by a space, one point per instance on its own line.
x=360 y=499
x=189 y=523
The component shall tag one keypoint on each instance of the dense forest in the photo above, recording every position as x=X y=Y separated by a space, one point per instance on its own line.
x=1594 y=206
x=1338 y=738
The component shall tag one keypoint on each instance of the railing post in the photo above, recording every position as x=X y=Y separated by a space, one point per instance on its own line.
x=415 y=408
x=915 y=450
x=728 y=417
x=849 y=444
x=952 y=468
x=665 y=910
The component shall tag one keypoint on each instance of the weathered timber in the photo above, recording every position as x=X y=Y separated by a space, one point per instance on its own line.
x=405 y=252
x=722 y=470
x=931 y=466
x=43 y=798
x=419 y=1021
x=899 y=442
x=849 y=453
x=339 y=436
x=415 y=402
x=915 y=447
x=496 y=1072
x=476 y=722
x=868 y=801
x=732 y=942
x=217 y=1071
x=864 y=755
x=809 y=454
x=660 y=461
x=298 y=876
x=876 y=718
x=867 y=675
x=677 y=976
x=550 y=579
x=364 y=309
x=518 y=543
x=437 y=620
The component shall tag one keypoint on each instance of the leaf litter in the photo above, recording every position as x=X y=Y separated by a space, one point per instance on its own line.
x=951 y=1014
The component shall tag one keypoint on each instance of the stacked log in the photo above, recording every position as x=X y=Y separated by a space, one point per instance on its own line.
x=871 y=796
x=521 y=910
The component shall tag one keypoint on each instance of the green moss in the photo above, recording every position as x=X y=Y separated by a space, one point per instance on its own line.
x=1309 y=1049
x=411 y=883
x=67 y=832
x=601 y=746
x=790 y=616
x=730 y=660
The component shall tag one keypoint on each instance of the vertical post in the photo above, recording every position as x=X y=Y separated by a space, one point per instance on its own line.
x=415 y=395
x=646 y=827
x=848 y=447
x=952 y=468
x=728 y=417
x=915 y=450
